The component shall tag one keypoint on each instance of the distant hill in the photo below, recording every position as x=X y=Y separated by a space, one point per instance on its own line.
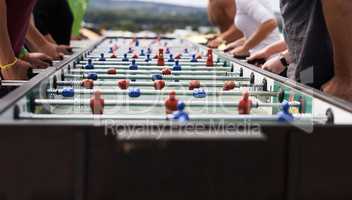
x=155 y=8
x=134 y=15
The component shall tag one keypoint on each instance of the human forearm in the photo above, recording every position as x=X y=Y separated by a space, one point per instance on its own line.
x=338 y=18
x=34 y=37
x=232 y=34
x=276 y=47
x=260 y=34
x=6 y=53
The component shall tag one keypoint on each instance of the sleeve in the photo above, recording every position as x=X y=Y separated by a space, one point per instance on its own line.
x=256 y=10
x=78 y=8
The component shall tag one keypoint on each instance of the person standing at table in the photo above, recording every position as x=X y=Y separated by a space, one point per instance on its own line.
x=14 y=21
x=318 y=34
x=54 y=20
x=221 y=13
x=78 y=8
x=257 y=22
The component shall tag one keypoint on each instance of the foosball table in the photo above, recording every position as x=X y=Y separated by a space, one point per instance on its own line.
x=133 y=117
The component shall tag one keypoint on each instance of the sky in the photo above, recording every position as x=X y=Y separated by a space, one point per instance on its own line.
x=197 y=3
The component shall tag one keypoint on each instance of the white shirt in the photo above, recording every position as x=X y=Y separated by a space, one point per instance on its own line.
x=250 y=14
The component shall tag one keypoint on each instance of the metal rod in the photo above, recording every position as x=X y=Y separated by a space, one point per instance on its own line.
x=151 y=63
x=183 y=72
x=86 y=102
x=12 y=83
x=169 y=77
x=164 y=92
x=95 y=58
x=270 y=118
x=151 y=84
x=154 y=67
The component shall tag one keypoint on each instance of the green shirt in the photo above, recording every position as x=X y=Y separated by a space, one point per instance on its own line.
x=78 y=8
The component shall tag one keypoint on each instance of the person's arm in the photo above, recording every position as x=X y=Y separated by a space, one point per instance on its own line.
x=6 y=54
x=231 y=33
x=267 y=22
x=11 y=67
x=235 y=44
x=338 y=18
x=278 y=64
x=38 y=43
x=260 y=34
x=270 y=50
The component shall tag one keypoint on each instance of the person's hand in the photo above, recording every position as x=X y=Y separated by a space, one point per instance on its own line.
x=38 y=60
x=215 y=43
x=51 y=50
x=339 y=87
x=211 y=37
x=232 y=46
x=240 y=52
x=259 y=55
x=18 y=71
x=274 y=65
x=65 y=49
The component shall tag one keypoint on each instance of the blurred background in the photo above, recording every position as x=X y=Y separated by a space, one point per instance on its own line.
x=161 y=16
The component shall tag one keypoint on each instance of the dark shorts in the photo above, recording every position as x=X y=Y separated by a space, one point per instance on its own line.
x=308 y=40
x=54 y=17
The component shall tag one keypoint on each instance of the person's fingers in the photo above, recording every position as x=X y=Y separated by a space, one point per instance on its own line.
x=65 y=49
x=254 y=56
x=45 y=57
x=230 y=47
x=61 y=56
x=41 y=64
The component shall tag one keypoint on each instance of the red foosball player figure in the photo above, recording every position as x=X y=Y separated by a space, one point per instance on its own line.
x=166 y=71
x=229 y=85
x=194 y=84
x=112 y=71
x=123 y=84
x=135 y=55
x=210 y=60
x=159 y=84
x=171 y=103
x=97 y=103
x=87 y=83
x=245 y=104
x=161 y=61
x=178 y=56
x=113 y=55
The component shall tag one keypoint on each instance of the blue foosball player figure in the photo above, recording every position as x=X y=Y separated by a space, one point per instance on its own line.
x=149 y=51
x=284 y=115
x=125 y=58
x=157 y=77
x=171 y=58
x=68 y=92
x=148 y=59
x=177 y=66
x=194 y=58
x=102 y=57
x=134 y=92
x=89 y=65
x=199 y=93
x=133 y=65
x=180 y=115
x=92 y=76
